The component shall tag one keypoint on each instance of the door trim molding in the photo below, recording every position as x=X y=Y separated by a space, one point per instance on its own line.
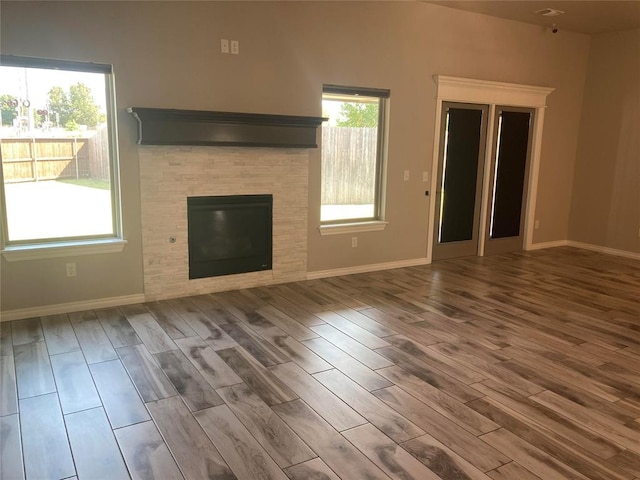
x=458 y=89
x=467 y=90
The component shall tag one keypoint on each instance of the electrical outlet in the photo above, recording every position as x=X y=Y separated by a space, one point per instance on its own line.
x=235 y=47
x=406 y=175
x=425 y=176
x=71 y=269
x=536 y=225
x=354 y=242
x=224 y=45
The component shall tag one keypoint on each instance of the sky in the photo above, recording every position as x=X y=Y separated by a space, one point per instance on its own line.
x=332 y=110
x=33 y=84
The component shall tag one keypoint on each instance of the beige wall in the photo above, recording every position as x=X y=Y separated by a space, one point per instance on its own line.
x=166 y=54
x=605 y=206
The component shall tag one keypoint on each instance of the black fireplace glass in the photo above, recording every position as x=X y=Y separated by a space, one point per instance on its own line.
x=229 y=234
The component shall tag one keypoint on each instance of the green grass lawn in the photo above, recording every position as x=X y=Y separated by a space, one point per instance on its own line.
x=86 y=182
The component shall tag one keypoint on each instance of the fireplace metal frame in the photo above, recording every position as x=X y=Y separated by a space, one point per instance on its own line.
x=258 y=261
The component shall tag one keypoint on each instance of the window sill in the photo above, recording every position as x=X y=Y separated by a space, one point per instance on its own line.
x=345 y=228
x=18 y=253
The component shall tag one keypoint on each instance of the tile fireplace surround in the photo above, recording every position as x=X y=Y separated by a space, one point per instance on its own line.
x=168 y=175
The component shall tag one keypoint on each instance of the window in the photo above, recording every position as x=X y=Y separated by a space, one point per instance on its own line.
x=353 y=149
x=59 y=161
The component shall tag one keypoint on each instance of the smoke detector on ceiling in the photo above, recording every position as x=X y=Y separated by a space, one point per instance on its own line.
x=549 y=12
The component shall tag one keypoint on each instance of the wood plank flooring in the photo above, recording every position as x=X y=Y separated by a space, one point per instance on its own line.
x=523 y=366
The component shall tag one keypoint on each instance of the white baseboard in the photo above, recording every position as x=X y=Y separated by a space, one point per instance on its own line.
x=543 y=245
x=601 y=249
x=21 y=313
x=366 y=268
x=70 y=307
x=585 y=246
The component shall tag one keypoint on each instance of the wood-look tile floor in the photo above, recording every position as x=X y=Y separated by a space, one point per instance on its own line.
x=515 y=367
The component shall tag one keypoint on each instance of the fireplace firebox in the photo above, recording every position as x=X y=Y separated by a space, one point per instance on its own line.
x=229 y=234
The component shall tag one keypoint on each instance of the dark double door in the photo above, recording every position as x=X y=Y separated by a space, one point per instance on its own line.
x=480 y=212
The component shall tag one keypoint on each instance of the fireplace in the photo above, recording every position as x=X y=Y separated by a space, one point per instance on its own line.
x=186 y=154
x=229 y=234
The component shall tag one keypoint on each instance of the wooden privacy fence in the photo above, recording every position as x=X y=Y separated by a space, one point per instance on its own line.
x=347 y=179
x=33 y=159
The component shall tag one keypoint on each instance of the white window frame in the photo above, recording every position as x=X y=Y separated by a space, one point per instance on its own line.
x=70 y=246
x=376 y=222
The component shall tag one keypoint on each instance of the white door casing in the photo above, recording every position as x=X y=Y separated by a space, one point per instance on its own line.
x=466 y=90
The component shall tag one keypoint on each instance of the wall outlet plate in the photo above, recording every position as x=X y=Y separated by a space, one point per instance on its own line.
x=71 y=269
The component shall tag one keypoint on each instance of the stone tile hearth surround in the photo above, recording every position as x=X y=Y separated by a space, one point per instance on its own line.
x=168 y=175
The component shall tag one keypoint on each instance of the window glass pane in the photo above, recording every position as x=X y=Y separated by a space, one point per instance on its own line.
x=462 y=139
x=510 y=172
x=349 y=157
x=55 y=154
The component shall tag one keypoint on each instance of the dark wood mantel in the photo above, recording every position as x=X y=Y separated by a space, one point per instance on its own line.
x=159 y=126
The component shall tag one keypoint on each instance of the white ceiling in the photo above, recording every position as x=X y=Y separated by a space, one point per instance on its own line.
x=588 y=16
